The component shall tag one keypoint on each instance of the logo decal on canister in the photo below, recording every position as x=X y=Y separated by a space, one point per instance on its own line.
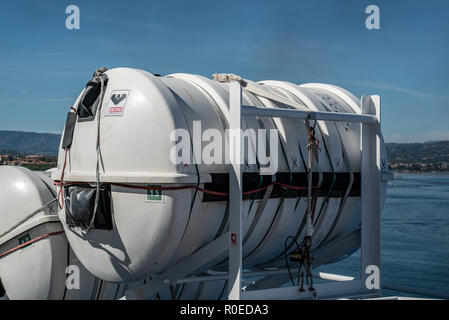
x=116 y=103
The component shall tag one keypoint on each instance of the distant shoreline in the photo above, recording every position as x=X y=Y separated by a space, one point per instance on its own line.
x=420 y=172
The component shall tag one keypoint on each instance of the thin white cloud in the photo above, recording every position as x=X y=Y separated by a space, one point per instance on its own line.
x=418 y=137
x=394 y=88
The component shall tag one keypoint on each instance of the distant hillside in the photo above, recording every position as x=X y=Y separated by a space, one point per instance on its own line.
x=427 y=156
x=29 y=142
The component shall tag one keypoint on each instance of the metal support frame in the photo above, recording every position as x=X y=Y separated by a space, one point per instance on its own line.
x=371 y=174
x=231 y=241
x=370 y=189
x=235 y=194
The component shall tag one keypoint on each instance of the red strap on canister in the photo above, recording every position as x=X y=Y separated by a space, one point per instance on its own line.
x=30 y=242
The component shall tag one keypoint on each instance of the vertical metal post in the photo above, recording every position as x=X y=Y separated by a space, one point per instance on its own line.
x=235 y=194
x=370 y=194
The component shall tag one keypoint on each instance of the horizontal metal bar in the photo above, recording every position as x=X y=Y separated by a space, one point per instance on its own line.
x=311 y=115
x=405 y=289
x=331 y=290
x=263 y=273
x=320 y=275
x=343 y=117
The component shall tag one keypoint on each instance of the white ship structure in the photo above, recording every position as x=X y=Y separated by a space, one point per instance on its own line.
x=138 y=225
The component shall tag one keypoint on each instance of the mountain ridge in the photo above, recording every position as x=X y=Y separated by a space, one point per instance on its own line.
x=419 y=156
x=23 y=142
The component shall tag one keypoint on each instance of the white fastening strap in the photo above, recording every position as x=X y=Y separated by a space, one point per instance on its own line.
x=274 y=97
x=256 y=89
x=29 y=216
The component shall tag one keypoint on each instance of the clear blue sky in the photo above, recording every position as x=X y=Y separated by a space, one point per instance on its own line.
x=43 y=66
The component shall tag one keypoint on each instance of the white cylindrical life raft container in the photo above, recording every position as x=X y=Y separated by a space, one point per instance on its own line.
x=131 y=211
x=35 y=258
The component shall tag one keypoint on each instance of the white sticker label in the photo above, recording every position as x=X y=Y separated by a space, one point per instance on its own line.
x=116 y=103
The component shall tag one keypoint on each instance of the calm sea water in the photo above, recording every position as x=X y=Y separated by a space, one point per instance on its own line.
x=415 y=234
